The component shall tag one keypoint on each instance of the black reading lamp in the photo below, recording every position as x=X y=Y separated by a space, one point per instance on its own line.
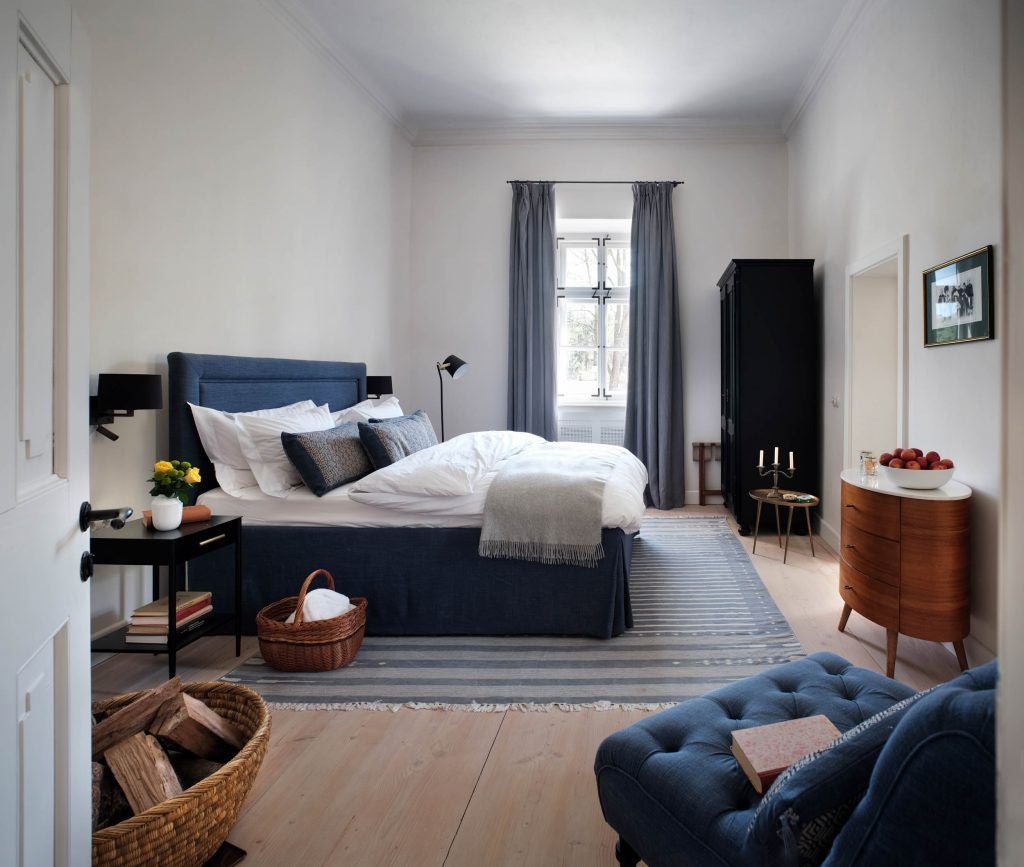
x=456 y=368
x=118 y=395
x=379 y=385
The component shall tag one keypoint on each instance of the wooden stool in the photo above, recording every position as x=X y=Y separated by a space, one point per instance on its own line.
x=703 y=452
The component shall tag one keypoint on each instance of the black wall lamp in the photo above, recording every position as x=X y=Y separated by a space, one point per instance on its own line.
x=118 y=395
x=456 y=368
x=378 y=386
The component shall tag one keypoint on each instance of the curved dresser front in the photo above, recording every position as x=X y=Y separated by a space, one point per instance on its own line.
x=905 y=560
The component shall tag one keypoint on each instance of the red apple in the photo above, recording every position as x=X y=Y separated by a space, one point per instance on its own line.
x=937 y=466
x=885 y=458
x=947 y=463
x=913 y=465
x=907 y=455
x=924 y=462
x=918 y=452
x=933 y=457
x=896 y=464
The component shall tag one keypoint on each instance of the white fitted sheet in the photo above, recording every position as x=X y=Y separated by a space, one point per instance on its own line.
x=302 y=508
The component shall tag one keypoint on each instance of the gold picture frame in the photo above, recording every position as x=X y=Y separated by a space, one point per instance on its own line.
x=958 y=300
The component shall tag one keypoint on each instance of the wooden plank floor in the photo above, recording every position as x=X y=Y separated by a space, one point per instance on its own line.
x=465 y=789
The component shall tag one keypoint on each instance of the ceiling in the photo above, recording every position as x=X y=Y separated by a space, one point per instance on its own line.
x=442 y=64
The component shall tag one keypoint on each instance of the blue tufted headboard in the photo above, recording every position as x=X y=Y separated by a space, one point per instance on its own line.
x=237 y=384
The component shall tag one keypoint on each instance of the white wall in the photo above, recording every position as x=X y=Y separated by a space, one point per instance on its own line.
x=247 y=200
x=903 y=137
x=1010 y=709
x=731 y=205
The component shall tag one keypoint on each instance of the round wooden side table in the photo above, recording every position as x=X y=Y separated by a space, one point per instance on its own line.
x=763 y=495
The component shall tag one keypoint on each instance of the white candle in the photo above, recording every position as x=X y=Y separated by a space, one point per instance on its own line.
x=791 y=461
x=760 y=459
x=776 y=454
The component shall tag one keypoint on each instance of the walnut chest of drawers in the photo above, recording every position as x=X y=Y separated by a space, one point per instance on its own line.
x=905 y=560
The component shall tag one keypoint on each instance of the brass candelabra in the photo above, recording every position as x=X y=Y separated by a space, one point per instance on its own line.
x=775 y=470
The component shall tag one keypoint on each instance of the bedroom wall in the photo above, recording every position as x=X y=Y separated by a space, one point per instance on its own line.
x=903 y=137
x=247 y=199
x=733 y=204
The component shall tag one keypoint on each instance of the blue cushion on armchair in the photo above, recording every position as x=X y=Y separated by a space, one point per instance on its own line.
x=932 y=798
x=806 y=807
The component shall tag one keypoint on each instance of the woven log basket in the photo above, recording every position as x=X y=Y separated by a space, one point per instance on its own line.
x=186 y=831
x=314 y=645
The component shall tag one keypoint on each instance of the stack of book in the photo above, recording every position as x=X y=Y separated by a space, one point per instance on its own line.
x=149 y=623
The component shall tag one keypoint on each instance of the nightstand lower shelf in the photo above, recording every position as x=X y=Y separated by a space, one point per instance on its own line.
x=114 y=642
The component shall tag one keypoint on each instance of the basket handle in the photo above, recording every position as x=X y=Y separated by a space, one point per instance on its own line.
x=305 y=586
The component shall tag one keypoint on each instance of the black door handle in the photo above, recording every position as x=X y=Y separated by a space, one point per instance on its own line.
x=85 y=567
x=88 y=515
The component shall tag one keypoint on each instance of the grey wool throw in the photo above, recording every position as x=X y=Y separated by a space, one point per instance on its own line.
x=545 y=505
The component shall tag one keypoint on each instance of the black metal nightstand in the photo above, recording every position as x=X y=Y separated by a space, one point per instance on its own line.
x=135 y=545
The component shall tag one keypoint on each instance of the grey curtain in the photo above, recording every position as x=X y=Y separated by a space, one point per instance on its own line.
x=532 y=269
x=654 y=399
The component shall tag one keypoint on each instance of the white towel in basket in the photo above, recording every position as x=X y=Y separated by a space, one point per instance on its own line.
x=323 y=604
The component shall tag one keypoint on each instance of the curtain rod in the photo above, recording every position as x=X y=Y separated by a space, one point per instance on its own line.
x=674 y=183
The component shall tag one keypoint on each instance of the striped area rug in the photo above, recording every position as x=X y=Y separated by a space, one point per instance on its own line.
x=702 y=618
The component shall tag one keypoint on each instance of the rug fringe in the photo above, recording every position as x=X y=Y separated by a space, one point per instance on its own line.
x=473 y=707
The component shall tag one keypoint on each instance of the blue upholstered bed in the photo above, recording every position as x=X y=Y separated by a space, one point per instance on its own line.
x=418 y=581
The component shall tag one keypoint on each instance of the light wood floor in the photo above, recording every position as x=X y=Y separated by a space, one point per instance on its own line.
x=468 y=789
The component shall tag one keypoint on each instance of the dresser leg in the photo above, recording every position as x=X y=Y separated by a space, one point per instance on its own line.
x=844 y=617
x=961 y=655
x=891 y=637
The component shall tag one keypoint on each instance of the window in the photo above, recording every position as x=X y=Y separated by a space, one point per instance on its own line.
x=593 y=319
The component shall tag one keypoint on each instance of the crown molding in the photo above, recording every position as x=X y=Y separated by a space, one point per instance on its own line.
x=631 y=129
x=312 y=35
x=838 y=37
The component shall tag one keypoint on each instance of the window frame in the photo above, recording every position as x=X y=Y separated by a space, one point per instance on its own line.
x=601 y=294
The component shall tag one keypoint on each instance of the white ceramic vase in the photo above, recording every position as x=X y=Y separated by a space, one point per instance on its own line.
x=166 y=512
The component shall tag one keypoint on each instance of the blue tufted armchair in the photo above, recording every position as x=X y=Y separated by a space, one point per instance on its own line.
x=913 y=785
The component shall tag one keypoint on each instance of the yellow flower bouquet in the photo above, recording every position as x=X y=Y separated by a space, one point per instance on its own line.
x=173 y=479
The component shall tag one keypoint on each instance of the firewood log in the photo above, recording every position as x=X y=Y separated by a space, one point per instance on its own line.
x=143 y=771
x=132 y=718
x=191 y=725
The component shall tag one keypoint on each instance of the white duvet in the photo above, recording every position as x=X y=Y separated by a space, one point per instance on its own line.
x=451 y=479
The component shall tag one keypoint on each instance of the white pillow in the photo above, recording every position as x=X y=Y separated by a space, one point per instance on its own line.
x=385 y=407
x=219 y=436
x=260 y=439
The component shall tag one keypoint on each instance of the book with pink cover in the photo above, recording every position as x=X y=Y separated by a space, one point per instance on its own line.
x=764 y=752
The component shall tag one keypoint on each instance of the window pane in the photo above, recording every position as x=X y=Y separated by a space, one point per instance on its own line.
x=579 y=323
x=617 y=361
x=580 y=267
x=577 y=373
x=617 y=267
x=616 y=324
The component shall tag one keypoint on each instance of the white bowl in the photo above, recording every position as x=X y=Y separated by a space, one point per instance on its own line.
x=921 y=480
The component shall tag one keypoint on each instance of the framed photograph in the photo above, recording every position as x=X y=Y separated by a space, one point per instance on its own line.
x=958 y=300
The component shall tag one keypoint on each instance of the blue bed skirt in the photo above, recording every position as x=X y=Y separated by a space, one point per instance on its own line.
x=427 y=581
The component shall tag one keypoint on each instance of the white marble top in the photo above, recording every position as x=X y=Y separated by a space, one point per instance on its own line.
x=952 y=490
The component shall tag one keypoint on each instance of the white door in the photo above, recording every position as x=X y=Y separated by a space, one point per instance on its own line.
x=45 y=809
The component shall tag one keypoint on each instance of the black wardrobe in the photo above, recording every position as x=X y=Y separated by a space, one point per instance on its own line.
x=771 y=380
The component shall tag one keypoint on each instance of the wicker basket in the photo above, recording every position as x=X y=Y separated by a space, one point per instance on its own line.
x=317 y=645
x=187 y=830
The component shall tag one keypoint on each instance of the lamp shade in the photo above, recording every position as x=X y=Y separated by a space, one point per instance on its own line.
x=455 y=366
x=129 y=391
x=379 y=385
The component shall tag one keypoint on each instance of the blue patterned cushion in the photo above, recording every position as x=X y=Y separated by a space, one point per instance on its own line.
x=327 y=459
x=391 y=439
x=808 y=804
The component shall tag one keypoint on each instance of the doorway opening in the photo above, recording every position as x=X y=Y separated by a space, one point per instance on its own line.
x=876 y=357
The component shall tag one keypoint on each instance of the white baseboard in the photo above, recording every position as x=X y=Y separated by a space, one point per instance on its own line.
x=827 y=533
x=692 y=498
